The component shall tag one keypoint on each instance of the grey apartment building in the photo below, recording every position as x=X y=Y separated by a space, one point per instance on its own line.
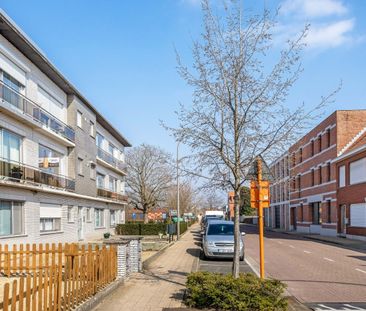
x=62 y=165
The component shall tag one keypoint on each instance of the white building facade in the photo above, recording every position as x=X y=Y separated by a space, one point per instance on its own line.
x=62 y=164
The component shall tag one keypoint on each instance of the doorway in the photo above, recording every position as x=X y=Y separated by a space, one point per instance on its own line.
x=294 y=218
x=344 y=220
x=277 y=217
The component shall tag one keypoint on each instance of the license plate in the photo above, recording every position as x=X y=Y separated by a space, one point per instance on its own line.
x=226 y=250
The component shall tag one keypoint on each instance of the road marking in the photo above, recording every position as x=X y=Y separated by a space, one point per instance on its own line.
x=307 y=252
x=360 y=270
x=325 y=258
x=292 y=246
x=353 y=307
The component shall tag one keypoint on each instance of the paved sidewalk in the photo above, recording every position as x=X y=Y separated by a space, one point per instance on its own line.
x=162 y=285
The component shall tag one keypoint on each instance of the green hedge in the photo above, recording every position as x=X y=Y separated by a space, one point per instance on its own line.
x=141 y=229
x=146 y=229
x=223 y=292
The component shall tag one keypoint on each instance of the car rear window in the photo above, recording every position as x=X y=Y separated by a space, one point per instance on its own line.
x=221 y=229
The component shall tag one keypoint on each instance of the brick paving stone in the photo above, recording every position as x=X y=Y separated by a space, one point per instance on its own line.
x=162 y=284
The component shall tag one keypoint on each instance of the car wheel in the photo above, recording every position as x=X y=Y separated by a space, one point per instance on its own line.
x=203 y=255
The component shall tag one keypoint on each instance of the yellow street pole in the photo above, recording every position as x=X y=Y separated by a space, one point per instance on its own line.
x=260 y=220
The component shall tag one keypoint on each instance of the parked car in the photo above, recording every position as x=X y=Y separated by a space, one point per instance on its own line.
x=218 y=240
x=207 y=219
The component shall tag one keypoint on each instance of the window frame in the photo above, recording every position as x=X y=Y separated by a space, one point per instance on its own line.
x=70 y=214
x=79 y=117
x=80 y=166
x=100 y=212
x=20 y=205
x=342 y=176
x=54 y=229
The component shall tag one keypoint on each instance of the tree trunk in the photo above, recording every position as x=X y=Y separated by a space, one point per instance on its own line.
x=237 y=234
x=146 y=217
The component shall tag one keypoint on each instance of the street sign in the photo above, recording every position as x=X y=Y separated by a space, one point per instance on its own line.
x=253 y=171
x=257 y=195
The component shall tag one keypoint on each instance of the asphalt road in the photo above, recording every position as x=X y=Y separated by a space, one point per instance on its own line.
x=322 y=276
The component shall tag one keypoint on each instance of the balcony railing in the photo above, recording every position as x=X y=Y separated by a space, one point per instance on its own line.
x=19 y=172
x=29 y=108
x=106 y=193
x=110 y=159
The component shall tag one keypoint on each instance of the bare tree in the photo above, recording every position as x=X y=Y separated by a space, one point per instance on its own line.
x=150 y=174
x=239 y=94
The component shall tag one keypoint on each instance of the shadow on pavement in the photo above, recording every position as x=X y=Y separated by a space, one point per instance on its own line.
x=195 y=252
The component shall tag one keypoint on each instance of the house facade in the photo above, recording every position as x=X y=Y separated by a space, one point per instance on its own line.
x=351 y=191
x=62 y=164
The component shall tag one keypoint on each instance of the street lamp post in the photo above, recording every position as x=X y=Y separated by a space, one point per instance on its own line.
x=178 y=221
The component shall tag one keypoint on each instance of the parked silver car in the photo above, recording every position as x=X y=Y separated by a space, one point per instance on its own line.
x=218 y=240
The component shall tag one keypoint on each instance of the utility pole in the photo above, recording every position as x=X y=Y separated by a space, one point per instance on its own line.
x=178 y=203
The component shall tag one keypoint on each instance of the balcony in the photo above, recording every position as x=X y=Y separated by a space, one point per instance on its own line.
x=106 y=193
x=112 y=161
x=20 y=173
x=37 y=113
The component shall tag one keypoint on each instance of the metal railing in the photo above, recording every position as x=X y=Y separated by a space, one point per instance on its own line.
x=19 y=172
x=106 y=193
x=29 y=108
x=110 y=159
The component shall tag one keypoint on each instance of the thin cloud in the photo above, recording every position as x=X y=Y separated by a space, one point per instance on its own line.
x=313 y=8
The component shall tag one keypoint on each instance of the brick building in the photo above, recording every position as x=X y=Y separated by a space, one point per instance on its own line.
x=312 y=180
x=278 y=215
x=351 y=190
x=313 y=206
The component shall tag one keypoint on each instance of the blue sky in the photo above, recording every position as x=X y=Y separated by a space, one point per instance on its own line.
x=120 y=54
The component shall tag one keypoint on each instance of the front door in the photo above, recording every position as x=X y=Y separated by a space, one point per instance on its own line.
x=344 y=220
x=277 y=217
x=80 y=223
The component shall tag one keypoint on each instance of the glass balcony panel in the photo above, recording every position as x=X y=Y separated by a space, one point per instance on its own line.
x=105 y=193
x=38 y=114
x=110 y=159
x=19 y=172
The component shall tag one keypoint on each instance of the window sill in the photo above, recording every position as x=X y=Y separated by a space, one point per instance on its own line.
x=71 y=222
x=50 y=232
x=82 y=175
x=13 y=236
x=97 y=228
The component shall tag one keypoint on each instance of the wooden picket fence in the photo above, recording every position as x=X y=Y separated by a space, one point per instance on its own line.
x=55 y=278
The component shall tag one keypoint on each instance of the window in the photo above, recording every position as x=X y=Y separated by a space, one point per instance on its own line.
x=88 y=214
x=319 y=143
x=358 y=215
x=312 y=147
x=293 y=159
x=113 y=218
x=300 y=155
x=328 y=171
x=357 y=172
x=92 y=129
x=70 y=214
x=50 y=224
x=312 y=177
x=79 y=119
x=320 y=175
x=92 y=171
x=99 y=140
x=11 y=218
x=80 y=166
x=342 y=176
x=10 y=146
x=299 y=182
x=328 y=138
x=50 y=217
x=99 y=217
x=329 y=211
x=112 y=184
x=100 y=181
x=49 y=160
x=8 y=93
